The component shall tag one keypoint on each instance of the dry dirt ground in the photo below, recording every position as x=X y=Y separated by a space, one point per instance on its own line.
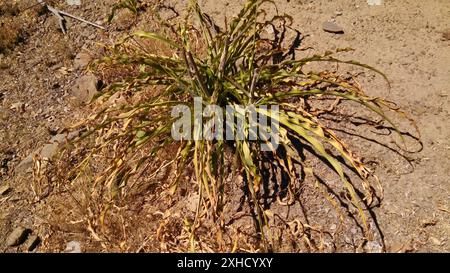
x=407 y=40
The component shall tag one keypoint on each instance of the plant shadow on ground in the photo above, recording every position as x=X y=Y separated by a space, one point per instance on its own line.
x=277 y=184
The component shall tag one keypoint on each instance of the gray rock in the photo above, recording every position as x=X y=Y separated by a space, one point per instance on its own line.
x=446 y=35
x=81 y=60
x=374 y=2
x=17 y=237
x=24 y=165
x=73 y=2
x=85 y=88
x=332 y=27
x=116 y=100
x=48 y=151
x=32 y=242
x=4 y=189
x=73 y=247
x=374 y=247
x=193 y=202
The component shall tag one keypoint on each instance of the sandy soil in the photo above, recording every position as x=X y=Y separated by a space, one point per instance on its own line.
x=403 y=38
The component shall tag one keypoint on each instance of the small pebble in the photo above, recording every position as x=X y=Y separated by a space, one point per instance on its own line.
x=374 y=247
x=436 y=241
x=81 y=60
x=73 y=247
x=18 y=106
x=4 y=189
x=17 y=237
x=332 y=27
x=446 y=35
x=374 y=2
x=73 y=2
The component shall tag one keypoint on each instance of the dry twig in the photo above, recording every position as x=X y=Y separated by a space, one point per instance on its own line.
x=61 y=14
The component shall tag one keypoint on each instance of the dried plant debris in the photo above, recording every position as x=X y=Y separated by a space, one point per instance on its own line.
x=222 y=66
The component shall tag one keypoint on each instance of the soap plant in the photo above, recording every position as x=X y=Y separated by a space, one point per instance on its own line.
x=231 y=65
